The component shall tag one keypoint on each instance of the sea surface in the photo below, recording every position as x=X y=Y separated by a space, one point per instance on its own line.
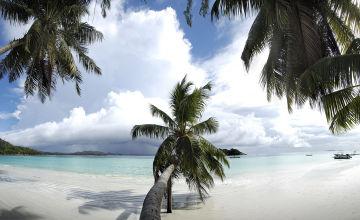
x=142 y=165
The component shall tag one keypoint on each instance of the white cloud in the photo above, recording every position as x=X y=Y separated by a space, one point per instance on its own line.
x=108 y=126
x=15 y=114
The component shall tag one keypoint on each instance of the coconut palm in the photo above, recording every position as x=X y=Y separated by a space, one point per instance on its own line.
x=46 y=52
x=299 y=33
x=194 y=157
x=333 y=85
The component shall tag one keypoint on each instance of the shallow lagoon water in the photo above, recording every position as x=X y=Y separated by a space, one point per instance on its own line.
x=142 y=165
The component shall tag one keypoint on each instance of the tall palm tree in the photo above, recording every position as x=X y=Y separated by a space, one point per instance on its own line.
x=46 y=52
x=299 y=33
x=194 y=157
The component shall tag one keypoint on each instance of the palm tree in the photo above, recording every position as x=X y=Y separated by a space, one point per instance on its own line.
x=194 y=157
x=299 y=33
x=333 y=85
x=46 y=52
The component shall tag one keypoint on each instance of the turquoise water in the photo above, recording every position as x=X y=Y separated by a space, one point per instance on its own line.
x=142 y=165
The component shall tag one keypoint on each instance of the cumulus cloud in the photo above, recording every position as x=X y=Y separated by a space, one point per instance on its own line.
x=14 y=114
x=109 y=127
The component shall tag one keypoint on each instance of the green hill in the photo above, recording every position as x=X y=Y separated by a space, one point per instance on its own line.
x=8 y=149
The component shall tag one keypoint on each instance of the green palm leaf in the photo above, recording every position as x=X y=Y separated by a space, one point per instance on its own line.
x=150 y=130
x=156 y=112
x=208 y=126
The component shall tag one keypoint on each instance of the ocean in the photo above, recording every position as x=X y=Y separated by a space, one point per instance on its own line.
x=142 y=165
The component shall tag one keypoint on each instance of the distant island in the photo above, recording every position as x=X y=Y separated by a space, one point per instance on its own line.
x=232 y=152
x=7 y=148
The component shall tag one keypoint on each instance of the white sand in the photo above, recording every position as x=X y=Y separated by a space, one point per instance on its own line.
x=323 y=191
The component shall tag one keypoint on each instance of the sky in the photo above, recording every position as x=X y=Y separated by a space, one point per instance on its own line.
x=147 y=48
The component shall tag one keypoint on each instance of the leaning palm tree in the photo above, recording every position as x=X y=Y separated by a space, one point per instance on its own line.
x=46 y=52
x=299 y=33
x=194 y=157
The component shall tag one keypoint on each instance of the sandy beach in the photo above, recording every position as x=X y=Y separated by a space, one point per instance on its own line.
x=317 y=191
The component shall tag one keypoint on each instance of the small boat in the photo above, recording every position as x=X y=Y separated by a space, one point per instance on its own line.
x=308 y=155
x=342 y=156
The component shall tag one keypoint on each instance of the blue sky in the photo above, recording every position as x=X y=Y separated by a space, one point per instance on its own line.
x=146 y=50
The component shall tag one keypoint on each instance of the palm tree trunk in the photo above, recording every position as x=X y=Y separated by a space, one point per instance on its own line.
x=169 y=196
x=152 y=204
x=10 y=46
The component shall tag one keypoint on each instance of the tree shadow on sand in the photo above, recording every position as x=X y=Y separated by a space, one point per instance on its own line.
x=18 y=213
x=125 y=199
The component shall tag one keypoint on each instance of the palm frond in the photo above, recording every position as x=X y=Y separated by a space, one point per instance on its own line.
x=191 y=106
x=331 y=73
x=349 y=11
x=105 y=5
x=354 y=47
x=214 y=151
x=187 y=12
x=87 y=34
x=164 y=156
x=208 y=126
x=15 y=11
x=257 y=39
x=89 y=64
x=150 y=130
x=332 y=84
x=156 y=112
x=193 y=168
x=235 y=7
x=343 y=33
x=335 y=101
x=347 y=117
x=272 y=78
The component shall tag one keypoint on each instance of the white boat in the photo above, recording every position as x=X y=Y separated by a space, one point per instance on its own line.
x=342 y=156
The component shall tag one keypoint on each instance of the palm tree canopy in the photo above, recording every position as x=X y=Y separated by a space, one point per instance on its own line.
x=299 y=33
x=194 y=157
x=46 y=52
